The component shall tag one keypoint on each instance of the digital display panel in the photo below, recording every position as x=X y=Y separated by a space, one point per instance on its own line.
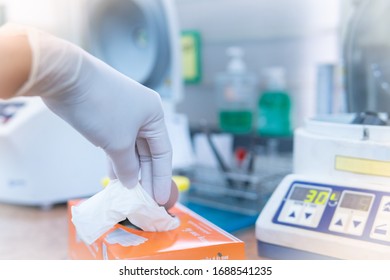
x=310 y=195
x=356 y=201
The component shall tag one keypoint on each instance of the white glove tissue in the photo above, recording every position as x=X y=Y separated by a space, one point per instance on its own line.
x=96 y=215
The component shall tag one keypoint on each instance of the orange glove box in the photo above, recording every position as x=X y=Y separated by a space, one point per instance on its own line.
x=195 y=239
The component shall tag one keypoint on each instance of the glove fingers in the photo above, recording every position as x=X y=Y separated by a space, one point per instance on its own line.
x=145 y=159
x=161 y=153
x=126 y=165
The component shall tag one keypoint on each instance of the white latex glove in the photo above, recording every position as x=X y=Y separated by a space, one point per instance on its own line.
x=111 y=110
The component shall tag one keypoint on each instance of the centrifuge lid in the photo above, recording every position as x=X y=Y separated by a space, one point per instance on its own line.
x=132 y=36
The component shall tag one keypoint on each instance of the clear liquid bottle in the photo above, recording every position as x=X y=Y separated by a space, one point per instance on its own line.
x=236 y=91
x=274 y=106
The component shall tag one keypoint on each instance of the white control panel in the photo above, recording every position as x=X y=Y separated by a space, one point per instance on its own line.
x=327 y=218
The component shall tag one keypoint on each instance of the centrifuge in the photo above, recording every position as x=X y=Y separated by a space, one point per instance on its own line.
x=336 y=203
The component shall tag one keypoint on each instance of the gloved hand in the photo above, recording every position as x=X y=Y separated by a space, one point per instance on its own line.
x=112 y=111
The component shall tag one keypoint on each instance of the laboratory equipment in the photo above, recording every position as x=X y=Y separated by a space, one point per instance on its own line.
x=232 y=190
x=229 y=187
x=137 y=37
x=336 y=202
x=274 y=105
x=44 y=160
x=235 y=184
x=236 y=93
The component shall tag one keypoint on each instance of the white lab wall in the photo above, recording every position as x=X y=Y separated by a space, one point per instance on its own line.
x=295 y=34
